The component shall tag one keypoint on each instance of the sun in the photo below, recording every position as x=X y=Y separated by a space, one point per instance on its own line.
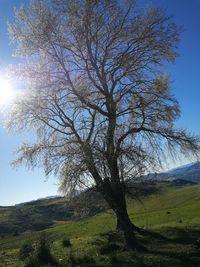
x=6 y=92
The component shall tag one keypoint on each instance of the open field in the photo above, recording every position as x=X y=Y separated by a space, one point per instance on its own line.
x=172 y=218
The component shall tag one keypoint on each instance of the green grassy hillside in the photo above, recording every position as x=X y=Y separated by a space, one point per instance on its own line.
x=172 y=213
x=43 y=213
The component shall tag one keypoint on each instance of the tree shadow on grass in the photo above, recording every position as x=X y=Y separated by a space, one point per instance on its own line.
x=170 y=247
x=182 y=244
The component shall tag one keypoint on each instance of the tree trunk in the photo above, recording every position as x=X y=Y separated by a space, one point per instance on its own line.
x=125 y=225
x=117 y=201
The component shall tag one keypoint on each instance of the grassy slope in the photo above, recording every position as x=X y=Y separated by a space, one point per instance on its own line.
x=175 y=213
x=41 y=214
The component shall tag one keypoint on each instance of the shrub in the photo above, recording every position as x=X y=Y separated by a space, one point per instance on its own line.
x=66 y=242
x=26 y=250
x=42 y=255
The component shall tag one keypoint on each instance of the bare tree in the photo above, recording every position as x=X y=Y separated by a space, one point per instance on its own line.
x=96 y=95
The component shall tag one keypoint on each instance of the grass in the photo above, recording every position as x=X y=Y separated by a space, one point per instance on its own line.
x=173 y=215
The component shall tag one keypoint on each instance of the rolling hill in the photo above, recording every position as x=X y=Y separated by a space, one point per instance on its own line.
x=166 y=207
x=42 y=213
x=172 y=213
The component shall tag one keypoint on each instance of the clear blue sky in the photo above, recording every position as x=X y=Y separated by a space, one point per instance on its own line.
x=22 y=185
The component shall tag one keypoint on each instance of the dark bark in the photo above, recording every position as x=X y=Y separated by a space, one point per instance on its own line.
x=115 y=197
x=125 y=225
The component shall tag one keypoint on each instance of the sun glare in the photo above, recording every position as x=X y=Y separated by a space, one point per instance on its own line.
x=6 y=92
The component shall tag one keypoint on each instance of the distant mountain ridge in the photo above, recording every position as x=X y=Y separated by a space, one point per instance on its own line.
x=189 y=172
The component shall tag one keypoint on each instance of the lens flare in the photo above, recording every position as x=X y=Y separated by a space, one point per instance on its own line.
x=6 y=92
